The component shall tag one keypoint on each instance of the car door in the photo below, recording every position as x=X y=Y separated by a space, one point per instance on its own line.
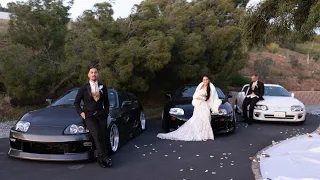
x=126 y=111
x=241 y=95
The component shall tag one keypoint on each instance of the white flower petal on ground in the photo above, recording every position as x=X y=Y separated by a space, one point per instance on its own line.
x=211 y=156
x=180 y=145
x=191 y=169
x=181 y=170
x=153 y=149
x=179 y=157
x=221 y=166
x=206 y=171
x=214 y=173
x=197 y=155
x=232 y=164
x=229 y=153
x=224 y=154
x=150 y=144
x=174 y=151
x=166 y=155
x=143 y=154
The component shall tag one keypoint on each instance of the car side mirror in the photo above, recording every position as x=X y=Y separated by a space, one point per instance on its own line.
x=126 y=104
x=49 y=101
x=292 y=94
x=168 y=95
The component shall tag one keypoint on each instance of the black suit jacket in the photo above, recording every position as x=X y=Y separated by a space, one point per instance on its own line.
x=91 y=107
x=258 y=90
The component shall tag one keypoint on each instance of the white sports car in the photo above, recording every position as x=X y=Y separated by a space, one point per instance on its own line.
x=278 y=105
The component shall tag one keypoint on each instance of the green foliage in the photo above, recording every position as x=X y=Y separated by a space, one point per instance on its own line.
x=278 y=21
x=160 y=41
x=316 y=56
x=273 y=48
x=30 y=65
x=294 y=61
x=239 y=80
x=262 y=66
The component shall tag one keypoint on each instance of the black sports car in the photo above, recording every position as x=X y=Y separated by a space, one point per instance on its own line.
x=179 y=109
x=58 y=133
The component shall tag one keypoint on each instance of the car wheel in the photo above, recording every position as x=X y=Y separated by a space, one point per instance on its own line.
x=165 y=125
x=236 y=107
x=234 y=122
x=114 y=138
x=142 y=121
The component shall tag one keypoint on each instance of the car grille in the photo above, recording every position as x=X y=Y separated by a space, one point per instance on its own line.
x=49 y=148
x=270 y=116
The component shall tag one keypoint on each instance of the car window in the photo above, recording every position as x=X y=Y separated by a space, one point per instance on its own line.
x=122 y=97
x=276 y=91
x=188 y=91
x=245 y=89
x=69 y=97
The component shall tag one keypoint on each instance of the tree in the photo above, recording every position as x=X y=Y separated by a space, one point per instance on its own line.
x=30 y=65
x=161 y=42
x=278 y=21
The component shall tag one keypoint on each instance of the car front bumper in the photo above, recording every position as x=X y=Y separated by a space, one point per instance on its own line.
x=219 y=124
x=50 y=148
x=289 y=116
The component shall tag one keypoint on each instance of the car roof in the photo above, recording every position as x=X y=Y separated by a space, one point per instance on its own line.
x=275 y=85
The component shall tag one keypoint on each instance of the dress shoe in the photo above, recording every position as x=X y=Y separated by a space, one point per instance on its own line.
x=105 y=162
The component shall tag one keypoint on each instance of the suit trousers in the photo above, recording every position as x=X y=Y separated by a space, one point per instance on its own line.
x=252 y=102
x=97 y=127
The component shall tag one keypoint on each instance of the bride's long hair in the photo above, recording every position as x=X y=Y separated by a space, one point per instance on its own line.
x=208 y=87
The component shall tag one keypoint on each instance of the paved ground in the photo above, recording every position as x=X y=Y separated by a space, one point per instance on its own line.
x=223 y=159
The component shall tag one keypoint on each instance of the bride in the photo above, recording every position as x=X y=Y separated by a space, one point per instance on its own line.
x=198 y=127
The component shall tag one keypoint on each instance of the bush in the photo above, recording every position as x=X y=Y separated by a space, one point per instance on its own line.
x=316 y=56
x=239 y=80
x=273 y=47
x=262 y=66
x=294 y=61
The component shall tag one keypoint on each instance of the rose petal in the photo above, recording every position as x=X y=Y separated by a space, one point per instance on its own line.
x=251 y=158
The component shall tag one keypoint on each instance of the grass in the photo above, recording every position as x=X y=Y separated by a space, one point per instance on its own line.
x=18 y=112
x=153 y=112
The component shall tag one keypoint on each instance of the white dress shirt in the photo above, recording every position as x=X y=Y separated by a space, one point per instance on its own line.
x=94 y=86
x=253 y=95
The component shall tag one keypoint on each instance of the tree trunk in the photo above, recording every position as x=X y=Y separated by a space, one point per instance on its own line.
x=58 y=86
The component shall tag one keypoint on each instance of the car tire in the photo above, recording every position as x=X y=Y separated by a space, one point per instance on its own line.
x=165 y=125
x=234 y=123
x=142 y=122
x=236 y=110
x=113 y=135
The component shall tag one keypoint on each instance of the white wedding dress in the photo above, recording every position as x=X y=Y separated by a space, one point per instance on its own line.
x=198 y=127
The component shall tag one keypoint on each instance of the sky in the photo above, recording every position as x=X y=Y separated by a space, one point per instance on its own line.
x=121 y=8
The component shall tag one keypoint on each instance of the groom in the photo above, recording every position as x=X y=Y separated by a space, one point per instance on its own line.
x=95 y=112
x=255 y=94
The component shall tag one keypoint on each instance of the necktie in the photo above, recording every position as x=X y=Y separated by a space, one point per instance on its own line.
x=95 y=93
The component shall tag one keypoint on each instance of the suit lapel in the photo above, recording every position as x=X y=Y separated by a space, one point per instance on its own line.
x=89 y=89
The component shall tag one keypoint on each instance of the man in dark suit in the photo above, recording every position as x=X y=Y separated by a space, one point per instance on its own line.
x=255 y=94
x=95 y=113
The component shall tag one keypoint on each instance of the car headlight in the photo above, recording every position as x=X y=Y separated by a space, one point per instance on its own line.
x=75 y=129
x=296 y=108
x=176 y=111
x=223 y=111
x=261 y=107
x=22 y=126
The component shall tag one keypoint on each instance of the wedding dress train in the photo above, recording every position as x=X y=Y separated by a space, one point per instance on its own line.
x=198 y=127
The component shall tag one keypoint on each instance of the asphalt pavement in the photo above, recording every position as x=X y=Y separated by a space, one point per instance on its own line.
x=148 y=158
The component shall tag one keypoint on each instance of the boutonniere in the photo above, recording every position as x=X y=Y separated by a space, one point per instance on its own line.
x=100 y=88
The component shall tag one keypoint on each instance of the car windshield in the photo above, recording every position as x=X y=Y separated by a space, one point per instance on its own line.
x=188 y=91
x=69 y=97
x=276 y=91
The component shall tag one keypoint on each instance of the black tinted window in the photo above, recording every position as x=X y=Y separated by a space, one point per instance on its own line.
x=69 y=97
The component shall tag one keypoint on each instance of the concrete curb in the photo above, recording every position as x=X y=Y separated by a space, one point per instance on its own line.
x=255 y=166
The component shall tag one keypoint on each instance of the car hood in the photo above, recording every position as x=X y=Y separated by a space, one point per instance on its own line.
x=53 y=116
x=278 y=101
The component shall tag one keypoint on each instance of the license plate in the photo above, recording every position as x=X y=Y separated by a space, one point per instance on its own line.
x=279 y=114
